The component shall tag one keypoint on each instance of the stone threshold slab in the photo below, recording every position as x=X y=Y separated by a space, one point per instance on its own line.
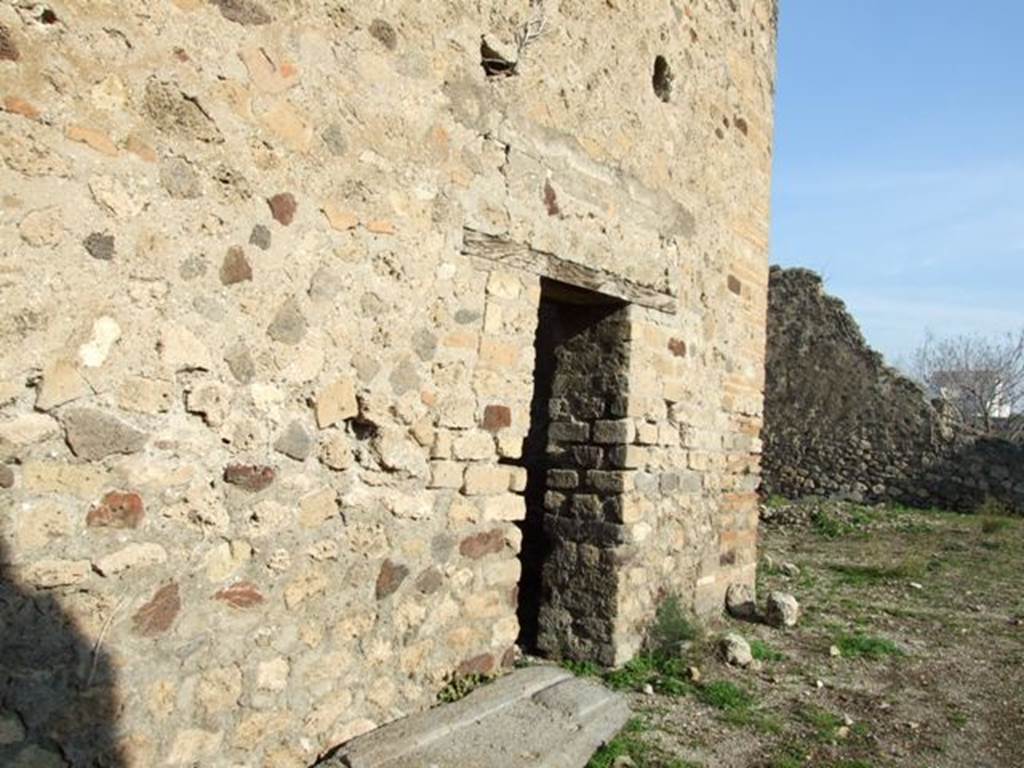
x=538 y=716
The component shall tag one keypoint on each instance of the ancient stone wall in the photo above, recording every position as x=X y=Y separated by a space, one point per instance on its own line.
x=839 y=422
x=270 y=274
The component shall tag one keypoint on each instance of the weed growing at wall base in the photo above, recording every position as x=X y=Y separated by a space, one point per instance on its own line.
x=673 y=628
x=461 y=687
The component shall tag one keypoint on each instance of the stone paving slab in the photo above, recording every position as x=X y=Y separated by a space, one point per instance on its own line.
x=539 y=716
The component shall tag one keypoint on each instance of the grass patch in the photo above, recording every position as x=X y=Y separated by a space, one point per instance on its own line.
x=800 y=756
x=957 y=719
x=775 y=501
x=752 y=718
x=630 y=743
x=736 y=706
x=854 y=518
x=896 y=508
x=830 y=526
x=859 y=645
x=666 y=675
x=912 y=527
x=861 y=516
x=761 y=651
x=993 y=507
x=724 y=695
x=994 y=524
x=856 y=575
x=626 y=744
x=824 y=723
x=582 y=668
x=792 y=756
x=663 y=666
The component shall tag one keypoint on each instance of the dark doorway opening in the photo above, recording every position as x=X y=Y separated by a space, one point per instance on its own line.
x=580 y=377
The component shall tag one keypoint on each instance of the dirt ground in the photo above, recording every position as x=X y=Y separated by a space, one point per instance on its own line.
x=909 y=652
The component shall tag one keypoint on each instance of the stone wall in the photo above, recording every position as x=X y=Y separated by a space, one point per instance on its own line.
x=270 y=275
x=839 y=422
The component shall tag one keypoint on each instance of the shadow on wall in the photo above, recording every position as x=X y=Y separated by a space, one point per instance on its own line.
x=974 y=473
x=58 y=702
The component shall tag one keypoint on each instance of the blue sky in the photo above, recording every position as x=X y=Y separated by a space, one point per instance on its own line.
x=899 y=161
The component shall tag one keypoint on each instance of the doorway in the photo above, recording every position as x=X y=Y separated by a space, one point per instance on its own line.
x=574 y=454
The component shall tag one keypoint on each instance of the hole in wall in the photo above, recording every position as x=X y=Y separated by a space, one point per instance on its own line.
x=494 y=63
x=363 y=429
x=662 y=79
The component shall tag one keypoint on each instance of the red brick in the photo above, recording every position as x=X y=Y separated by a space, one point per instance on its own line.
x=249 y=477
x=677 y=347
x=511 y=657
x=17 y=106
x=157 y=616
x=390 y=578
x=244 y=594
x=282 y=207
x=118 y=509
x=482 y=544
x=484 y=664
x=497 y=417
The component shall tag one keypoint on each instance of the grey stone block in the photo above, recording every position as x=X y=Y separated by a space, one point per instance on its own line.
x=538 y=716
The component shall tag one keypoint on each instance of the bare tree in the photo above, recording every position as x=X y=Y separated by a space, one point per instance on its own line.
x=982 y=378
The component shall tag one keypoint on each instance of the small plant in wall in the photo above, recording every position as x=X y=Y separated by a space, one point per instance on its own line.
x=673 y=629
x=461 y=687
x=495 y=63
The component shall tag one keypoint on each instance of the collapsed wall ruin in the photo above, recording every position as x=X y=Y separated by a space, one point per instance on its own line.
x=341 y=355
x=840 y=422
